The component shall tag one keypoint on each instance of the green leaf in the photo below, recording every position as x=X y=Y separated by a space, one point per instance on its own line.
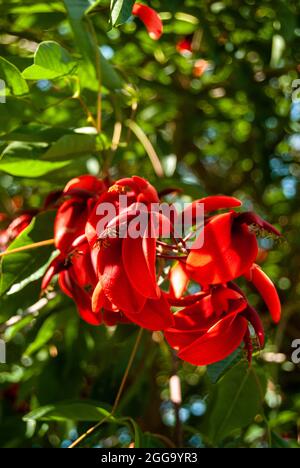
x=215 y=371
x=11 y=304
x=69 y=146
x=36 y=133
x=22 y=160
x=17 y=267
x=13 y=78
x=237 y=398
x=120 y=11
x=50 y=61
x=70 y=410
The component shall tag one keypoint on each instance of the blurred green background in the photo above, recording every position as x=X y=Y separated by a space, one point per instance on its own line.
x=233 y=130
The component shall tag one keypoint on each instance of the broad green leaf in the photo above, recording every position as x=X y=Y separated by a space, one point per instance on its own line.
x=120 y=11
x=237 y=398
x=17 y=267
x=50 y=61
x=215 y=371
x=12 y=78
x=36 y=133
x=22 y=160
x=70 y=146
x=70 y=410
x=11 y=304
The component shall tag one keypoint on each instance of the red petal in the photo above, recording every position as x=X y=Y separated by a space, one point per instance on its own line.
x=218 y=343
x=116 y=285
x=155 y=315
x=229 y=251
x=212 y=203
x=85 y=185
x=150 y=19
x=221 y=298
x=267 y=291
x=81 y=298
x=139 y=256
x=56 y=266
x=69 y=223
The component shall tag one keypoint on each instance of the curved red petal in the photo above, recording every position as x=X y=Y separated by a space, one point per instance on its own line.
x=116 y=285
x=85 y=185
x=81 y=298
x=155 y=315
x=217 y=343
x=229 y=250
x=69 y=223
x=267 y=291
x=150 y=19
x=139 y=256
x=212 y=203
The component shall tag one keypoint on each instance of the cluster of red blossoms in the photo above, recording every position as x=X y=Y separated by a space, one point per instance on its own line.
x=189 y=293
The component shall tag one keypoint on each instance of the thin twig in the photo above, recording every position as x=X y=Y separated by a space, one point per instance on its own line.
x=119 y=394
x=142 y=137
x=27 y=247
x=98 y=74
x=90 y=117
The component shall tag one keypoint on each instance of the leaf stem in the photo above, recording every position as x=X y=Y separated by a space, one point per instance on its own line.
x=119 y=394
x=27 y=247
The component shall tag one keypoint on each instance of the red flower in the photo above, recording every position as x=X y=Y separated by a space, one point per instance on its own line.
x=15 y=228
x=110 y=272
x=229 y=250
x=150 y=19
x=212 y=328
x=127 y=266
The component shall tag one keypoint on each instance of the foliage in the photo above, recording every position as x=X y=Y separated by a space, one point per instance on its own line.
x=233 y=130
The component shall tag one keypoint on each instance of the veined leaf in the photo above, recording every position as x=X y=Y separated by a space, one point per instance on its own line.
x=23 y=160
x=236 y=399
x=50 y=61
x=70 y=410
x=12 y=78
x=215 y=371
x=70 y=146
x=17 y=267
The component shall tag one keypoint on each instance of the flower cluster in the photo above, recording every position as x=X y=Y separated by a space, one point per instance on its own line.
x=186 y=291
